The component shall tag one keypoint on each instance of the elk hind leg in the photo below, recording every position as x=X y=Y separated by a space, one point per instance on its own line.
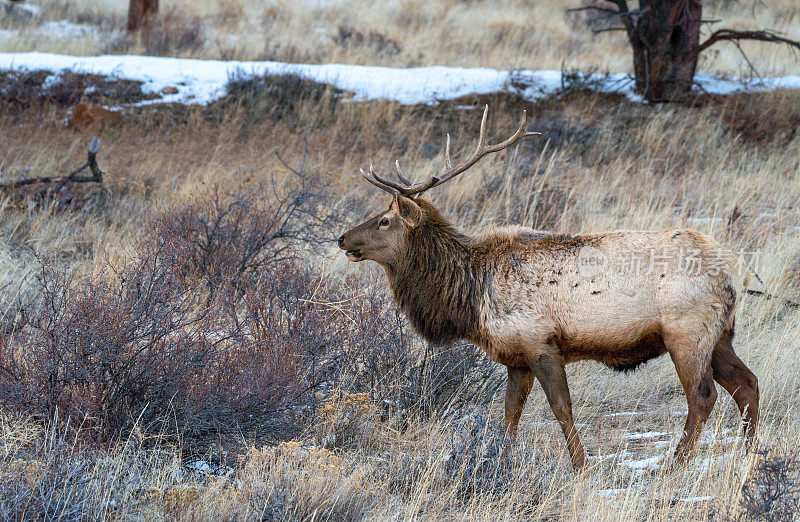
x=520 y=382
x=737 y=379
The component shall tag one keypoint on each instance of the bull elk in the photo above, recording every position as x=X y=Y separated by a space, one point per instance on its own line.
x=535 y=301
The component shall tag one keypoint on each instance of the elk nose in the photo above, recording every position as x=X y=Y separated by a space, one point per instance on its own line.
x=341 y=239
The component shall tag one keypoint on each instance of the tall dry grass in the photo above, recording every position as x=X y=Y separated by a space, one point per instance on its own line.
x=728 y=167
x=382 y=450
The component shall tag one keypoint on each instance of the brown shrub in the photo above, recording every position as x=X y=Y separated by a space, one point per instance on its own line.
x=174 y=33
x=226 y=237
x=772 y=491
x=218 y=327
x=377 y=42
x=38 y=89
x=271 y=98
x=771 y=117
x=132 y=347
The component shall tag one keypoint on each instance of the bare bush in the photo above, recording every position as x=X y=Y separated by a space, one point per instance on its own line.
x=382 y=357
x=133 y=347
x=772 y=491
x=276 y=98
x=374 y=40
x=40 y=89
x=217 y=327
x=227 y=236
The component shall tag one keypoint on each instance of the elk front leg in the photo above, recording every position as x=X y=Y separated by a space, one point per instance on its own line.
x=549 y=370
x=520 y=382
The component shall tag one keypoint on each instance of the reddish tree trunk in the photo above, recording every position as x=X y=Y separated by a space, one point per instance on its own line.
x=141 y=14
x=666 y=44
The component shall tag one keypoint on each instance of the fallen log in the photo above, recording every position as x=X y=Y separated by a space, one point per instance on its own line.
x=60 y=189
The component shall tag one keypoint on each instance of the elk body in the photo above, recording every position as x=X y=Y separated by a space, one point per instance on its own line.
x=535 y=301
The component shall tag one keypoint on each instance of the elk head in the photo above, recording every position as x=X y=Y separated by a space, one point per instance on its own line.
x=384 y=237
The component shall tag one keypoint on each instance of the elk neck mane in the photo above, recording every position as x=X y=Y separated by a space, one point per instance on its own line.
x=438 y=283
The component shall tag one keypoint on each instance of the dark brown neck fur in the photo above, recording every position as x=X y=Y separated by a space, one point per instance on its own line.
x=438 y=284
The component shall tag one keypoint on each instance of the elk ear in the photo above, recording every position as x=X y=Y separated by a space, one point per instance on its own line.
x=409 y=211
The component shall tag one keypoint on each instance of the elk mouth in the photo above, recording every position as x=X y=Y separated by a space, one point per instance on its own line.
x=354 y=255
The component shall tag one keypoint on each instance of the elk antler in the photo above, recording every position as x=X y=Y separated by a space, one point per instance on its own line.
x=407 y=188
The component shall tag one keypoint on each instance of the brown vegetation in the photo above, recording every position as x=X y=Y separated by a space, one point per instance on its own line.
x=423 y=440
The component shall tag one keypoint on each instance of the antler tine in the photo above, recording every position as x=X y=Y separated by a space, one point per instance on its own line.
x=447 y=161
x=378 y=184
x=523 y=119
x=400 y=173
x=482 y=132
x=409 y=189
x=387 y=182
x=484 y=149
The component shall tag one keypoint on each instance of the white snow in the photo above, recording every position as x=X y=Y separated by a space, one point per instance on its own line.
x=720 y=437
x=645 y=435
x=610 y=493
x=52 y=29
x=608 y=456
x=623 y=414
x=650 y=462
x=705 y=219
x=200 y=466
x=203 y=81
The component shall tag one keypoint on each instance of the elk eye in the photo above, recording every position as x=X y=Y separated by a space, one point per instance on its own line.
x=384 y=222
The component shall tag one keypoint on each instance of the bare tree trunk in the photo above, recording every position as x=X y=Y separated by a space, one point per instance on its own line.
x=665 y=37
x=666 y=44
x=141 y=14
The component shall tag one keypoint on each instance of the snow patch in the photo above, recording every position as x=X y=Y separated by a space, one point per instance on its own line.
x=648 y=463
x=646 y=435
x=610 y=493
x=623 y=414
x=203 y=81
x=200 y=466
x=50 y=81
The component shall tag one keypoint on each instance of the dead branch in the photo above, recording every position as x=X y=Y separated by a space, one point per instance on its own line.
x=628 y=18
x=764 y=35
x=625 y=15
x=72 y=177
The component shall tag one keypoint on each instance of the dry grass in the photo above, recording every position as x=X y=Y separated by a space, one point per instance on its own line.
x=728 y=167
x=602 y=163
x=404 y=33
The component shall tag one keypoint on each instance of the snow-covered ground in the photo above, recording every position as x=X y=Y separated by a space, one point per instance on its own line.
x=203 y=81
